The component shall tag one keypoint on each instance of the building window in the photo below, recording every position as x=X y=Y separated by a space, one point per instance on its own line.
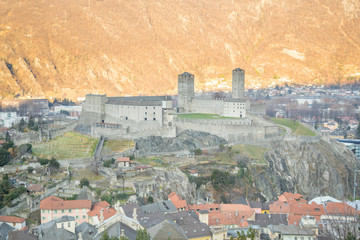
x=154 y=119
x=84 y=216
x=145 y=107
x=62 y=225
x=145 y=113
x=126 y=118
x=43 y=218
x=77 y=217
x=154 y=113
x=154 y=107
x=62 y=211
x=84 y=210
x=69 y=210
x=145 y=119
x=55 y=211
x=77 y=210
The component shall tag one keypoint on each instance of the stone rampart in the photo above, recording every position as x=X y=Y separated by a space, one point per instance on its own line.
x=229 y=129
x=120 y=133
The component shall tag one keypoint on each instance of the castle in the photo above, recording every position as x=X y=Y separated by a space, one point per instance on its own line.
x=141 y=116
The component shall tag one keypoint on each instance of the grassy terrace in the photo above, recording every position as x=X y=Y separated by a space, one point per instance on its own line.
x=255 y=153
x=119 y=145
x=68 y=146
x=295 y=126
x=201 y=116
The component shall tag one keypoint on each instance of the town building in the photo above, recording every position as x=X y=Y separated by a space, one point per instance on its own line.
x=100 y=212
x=53 y=208
x=9 y=119
x=15 y=222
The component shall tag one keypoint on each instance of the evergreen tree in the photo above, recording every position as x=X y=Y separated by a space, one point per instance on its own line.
x=7 y=137
x=31 y=123
x=22 y=125
x=142 y=234
x=357 y=136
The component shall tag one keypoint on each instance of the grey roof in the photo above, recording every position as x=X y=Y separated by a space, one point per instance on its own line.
x=21 y=234
x=186 y=74
x=266 y=206
x=138 y=101
x=255 y=204
x=240 y=200
x=167 y=230
x=4 y=229
x=163 y=206
x=203 y=211
x=190 y=224
x=64 y=219
x=290 y=230
x=87 y=230
x=187 y=220
x=239 y=69
x=50 y=231
x=264 y=220
x=115 y=231
x=235 y=100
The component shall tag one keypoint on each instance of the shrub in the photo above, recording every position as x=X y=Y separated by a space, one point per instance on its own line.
x=84 y=182
x=30 y=169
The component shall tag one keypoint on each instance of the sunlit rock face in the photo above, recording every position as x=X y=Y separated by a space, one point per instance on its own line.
x=65 y=48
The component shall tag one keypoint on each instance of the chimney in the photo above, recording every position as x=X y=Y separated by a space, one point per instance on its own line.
x=102 y=215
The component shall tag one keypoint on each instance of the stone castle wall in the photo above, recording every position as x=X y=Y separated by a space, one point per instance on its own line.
x=231 y=130
x=207 y=106
x=122 y=133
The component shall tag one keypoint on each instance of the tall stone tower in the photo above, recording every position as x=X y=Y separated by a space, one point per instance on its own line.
x=185 y=91
x=238 y=83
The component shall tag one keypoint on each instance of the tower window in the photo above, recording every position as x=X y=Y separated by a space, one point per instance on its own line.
x=145 y=119
x=154 y=119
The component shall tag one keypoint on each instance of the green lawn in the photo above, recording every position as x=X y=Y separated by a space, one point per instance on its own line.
x=202 y=116
x=68 y=146
x=295 y=126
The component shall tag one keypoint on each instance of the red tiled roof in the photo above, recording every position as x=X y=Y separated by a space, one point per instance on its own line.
x=177 y=201
x=53 y=203
x=236 y=208
x=11 y=219
x=2 y=141
x=205 y=207
x=340 y=208
x=219 y=218
x=35 y=188
x=123 y=159
x=193 y=171
x=279 y=207
x=107 y=213
x=292 y=197
x=142 y=167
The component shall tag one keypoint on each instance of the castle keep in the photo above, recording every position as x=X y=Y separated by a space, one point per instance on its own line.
x=134 y=117
x=232 y=107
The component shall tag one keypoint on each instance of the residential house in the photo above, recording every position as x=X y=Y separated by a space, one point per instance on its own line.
x=85 y=231
x=100 y=212
x=194 y=173
x=16 y=222
x=54 y=208
x=264 y=220
x=36 y=189
x=59 y=228
x=178 y=202
x=167 y=230
x=124 y=162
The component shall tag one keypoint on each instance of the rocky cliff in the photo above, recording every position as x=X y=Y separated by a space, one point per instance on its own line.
x=66 y=48
x=184 y=142
x=165 y=181
x=310 y=168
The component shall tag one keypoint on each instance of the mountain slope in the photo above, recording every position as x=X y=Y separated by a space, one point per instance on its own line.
x=70 y=48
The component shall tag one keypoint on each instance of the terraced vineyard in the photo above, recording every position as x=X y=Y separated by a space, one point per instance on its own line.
x=68 y=146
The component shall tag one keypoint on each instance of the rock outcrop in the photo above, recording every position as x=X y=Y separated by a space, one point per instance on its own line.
x=309 y=168
x=165 y=181
x=185 y=141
